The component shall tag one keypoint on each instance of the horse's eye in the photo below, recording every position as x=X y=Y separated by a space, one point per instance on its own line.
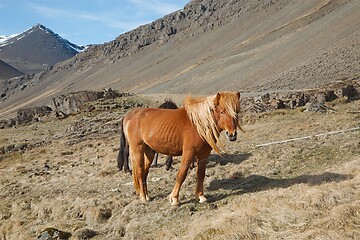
x=221 y=112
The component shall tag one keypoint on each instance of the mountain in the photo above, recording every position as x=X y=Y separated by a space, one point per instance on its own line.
x=7 y=71
x=36 y=49
x=246 y=45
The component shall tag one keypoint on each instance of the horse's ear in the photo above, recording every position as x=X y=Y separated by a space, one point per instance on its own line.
x=238 y=95
x=217 y=99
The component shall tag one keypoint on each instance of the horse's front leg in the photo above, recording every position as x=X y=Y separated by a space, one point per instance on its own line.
x=200 y=172
x=184 y=166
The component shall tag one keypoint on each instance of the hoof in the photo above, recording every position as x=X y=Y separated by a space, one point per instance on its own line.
x=174 y=201
x=202 y=199
x=144 y=198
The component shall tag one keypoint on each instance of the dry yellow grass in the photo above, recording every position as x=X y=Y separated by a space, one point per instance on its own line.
x=307 y=189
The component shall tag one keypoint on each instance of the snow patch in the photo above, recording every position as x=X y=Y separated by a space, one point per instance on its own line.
x=5 y=39
x=20 y=37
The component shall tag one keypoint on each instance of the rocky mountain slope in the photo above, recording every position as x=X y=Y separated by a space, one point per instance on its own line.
x=7 y=71
x=36 y=49
x=251 y=46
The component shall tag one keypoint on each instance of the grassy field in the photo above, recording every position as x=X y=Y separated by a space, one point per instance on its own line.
x=63 y=175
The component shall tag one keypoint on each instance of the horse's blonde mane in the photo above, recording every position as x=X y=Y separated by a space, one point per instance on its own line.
x=201 y=113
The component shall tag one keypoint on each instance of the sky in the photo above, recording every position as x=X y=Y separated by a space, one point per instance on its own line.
x=83 y=22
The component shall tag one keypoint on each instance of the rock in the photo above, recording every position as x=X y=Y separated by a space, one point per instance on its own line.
x=9 y=148
x=265 y=97
x=315 y=107
x=293 y=104
x=103 y=214
x=32 y=114
x=303 y=100
x=170 y=31
x=280 y=104
x=27 y=115
x=111 y=94
x=65 y=153
x=259 y=107
x=7 y=123
x=330 y=96
x=20 y=146
x=319 y=97
x=72 y=103
x=350 y=92
x=68 y=104
x=84 y=233
x=119 y=231
x=53 y=234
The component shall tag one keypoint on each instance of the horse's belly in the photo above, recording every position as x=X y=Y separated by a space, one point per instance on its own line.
x=171 y=148
x=169 y=153
x=168 y=143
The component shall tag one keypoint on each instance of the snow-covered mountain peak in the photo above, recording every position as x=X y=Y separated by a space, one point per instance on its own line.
x=37 y=29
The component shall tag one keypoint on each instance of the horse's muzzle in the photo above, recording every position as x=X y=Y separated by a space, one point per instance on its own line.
x=231 y=136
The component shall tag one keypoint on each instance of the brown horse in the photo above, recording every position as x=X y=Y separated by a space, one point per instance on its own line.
x=123 y=156
x=191 y=131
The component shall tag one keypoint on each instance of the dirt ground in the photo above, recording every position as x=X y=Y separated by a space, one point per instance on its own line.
x=63 y=175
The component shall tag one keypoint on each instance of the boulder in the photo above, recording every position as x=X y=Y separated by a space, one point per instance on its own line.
x=316 y=107
x=71 y=103
x=32 y=114
x=265 y=97
x=53 y=234
x=84 y=233
x=7 y=123
x=330 y=95
x=280 y=104
x=303 y=100
x=350 y=92
x=68 y=104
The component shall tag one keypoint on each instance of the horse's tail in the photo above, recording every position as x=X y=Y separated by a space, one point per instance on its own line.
x=121 y=156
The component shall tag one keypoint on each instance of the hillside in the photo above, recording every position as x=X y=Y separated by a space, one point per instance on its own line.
x=251 y=46
x=7 y=71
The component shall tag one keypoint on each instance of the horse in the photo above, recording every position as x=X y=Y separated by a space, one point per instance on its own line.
x=123 y=156
x=191 y=131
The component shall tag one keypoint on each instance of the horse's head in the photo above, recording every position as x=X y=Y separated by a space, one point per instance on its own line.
x=227 y=108
x=214 y=114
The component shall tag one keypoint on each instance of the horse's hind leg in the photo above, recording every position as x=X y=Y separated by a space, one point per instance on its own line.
x=126 y=158
x=139 y=176
x=148 y=158
x=155 y=160
x=192 y=164
x=122 y=145
x=168 y=162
